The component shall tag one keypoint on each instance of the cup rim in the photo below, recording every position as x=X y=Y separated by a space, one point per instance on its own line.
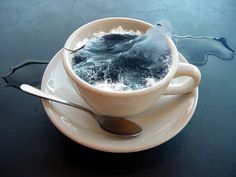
x=131 y=93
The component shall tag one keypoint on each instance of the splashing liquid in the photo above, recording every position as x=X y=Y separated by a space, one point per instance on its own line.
x=121 y=61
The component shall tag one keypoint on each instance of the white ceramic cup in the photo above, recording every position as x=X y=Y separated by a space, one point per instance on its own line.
x=127 y=103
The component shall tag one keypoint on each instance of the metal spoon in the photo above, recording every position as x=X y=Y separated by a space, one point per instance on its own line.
x=115 y=125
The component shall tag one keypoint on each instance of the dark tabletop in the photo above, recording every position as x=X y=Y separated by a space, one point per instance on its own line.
x=30 y=145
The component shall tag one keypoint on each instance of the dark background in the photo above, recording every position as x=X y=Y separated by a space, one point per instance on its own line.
x=31 y=146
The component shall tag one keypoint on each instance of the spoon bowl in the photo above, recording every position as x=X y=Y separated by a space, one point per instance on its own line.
x=114 y=125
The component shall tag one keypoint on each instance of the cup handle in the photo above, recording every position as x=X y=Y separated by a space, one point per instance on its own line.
x=188 y=85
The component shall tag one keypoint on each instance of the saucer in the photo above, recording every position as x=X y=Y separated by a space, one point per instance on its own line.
x=161 y=122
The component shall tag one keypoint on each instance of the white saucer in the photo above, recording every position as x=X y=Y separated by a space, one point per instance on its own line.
x=167 y=117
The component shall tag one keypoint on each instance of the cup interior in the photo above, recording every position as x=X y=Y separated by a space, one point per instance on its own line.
x=106 y=25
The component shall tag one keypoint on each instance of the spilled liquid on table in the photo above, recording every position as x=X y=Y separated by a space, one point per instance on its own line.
x=28 y=72
x=197 y=49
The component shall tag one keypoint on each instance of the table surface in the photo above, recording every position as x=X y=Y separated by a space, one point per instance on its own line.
x=32 y=146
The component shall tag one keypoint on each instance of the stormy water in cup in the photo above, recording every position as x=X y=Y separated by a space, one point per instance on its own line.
x=123 y=60
x=196 y=49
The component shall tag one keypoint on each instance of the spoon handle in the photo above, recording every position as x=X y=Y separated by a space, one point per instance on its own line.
x=39 y=93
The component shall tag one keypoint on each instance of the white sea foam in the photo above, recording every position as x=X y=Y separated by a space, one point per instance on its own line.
x=117 y=86
x=117 y=30
x=120 y=86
